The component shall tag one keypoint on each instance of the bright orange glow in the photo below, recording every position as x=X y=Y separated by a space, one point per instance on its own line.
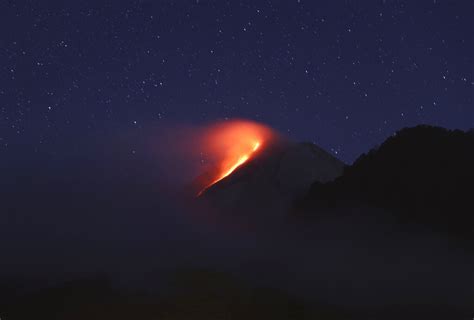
x=239 y=162
x=231 y=144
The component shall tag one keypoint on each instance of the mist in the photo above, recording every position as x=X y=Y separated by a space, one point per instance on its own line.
x=128 y=216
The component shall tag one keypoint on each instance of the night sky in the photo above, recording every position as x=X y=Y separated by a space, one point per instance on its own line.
x=98 y=98
x=342 y=74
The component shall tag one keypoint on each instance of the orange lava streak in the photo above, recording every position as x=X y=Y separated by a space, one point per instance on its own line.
x=230 y=145
x=241 y=160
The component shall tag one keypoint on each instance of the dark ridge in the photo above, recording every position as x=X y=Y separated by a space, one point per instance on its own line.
x=192 y=294
x=196 y=294
x=421 y=175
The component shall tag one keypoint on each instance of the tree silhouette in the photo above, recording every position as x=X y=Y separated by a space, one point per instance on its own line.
x=422 y=175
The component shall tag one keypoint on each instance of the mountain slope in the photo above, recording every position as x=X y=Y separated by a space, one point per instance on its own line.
x=271 y=181
x=422 y=175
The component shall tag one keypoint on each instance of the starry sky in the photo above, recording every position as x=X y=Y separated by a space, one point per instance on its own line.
x=342 y=74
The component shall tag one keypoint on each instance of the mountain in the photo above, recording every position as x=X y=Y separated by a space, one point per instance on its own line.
x=471 y=132
x=273 y=179
x=421 y=175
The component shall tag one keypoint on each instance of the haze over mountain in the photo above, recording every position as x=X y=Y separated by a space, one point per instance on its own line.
x=347 y=252
x=420 y=175
x=404 y=205
x=269 y=182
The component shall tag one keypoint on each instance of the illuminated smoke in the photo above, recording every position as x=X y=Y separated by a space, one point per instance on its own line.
x=230 y=144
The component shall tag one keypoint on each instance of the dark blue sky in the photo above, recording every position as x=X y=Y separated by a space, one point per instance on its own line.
x=344 y=74
x=89 y=87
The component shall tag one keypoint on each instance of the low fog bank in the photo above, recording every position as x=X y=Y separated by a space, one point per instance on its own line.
x=121 y=215
x=139 y=233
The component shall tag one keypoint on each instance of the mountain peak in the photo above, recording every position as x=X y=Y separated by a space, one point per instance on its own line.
x=272 y=180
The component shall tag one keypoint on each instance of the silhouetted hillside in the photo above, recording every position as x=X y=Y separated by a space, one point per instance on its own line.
x=422 y=175
x=195 y=294
x=191 y=294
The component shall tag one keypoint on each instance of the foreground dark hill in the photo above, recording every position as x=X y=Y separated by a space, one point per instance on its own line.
x=195 y=295
x=422 y=175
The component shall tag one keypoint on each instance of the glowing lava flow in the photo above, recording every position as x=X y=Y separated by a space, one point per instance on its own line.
x=227 y=145
x=241 y=160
